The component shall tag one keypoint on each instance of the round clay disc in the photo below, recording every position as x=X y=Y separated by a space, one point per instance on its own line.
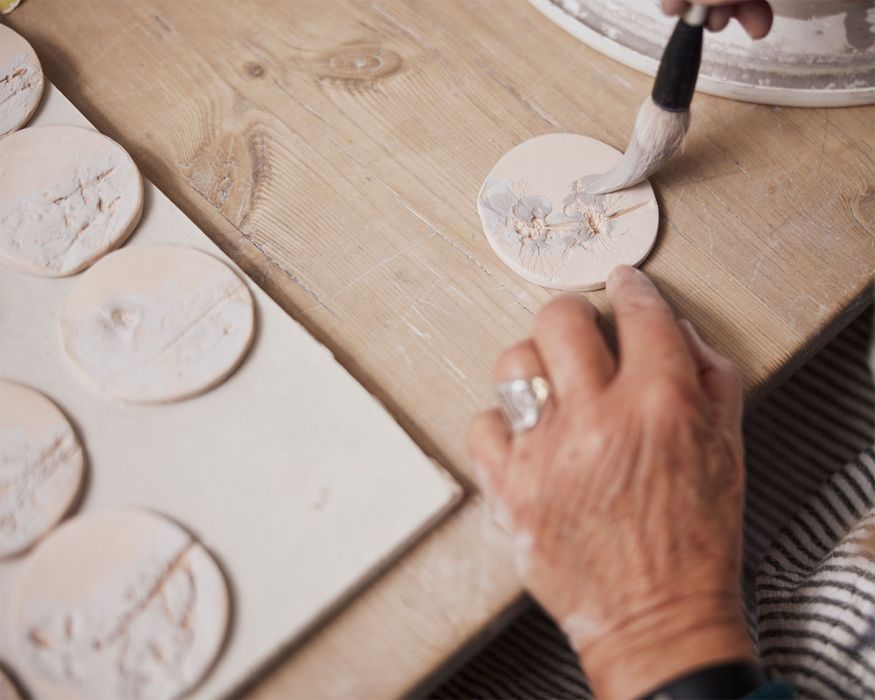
x=546 y=229
x=41 y=466
x=68 y=195
x=21 y=81
x=8 y=690
x=119 y=604
x=155 y=323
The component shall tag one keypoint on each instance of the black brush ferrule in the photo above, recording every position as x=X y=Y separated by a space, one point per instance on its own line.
x=679 y=68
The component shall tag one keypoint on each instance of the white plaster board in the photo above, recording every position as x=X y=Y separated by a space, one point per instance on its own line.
x=296 y=479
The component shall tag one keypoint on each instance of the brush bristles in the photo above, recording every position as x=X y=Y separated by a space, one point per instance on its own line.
x=657 y=135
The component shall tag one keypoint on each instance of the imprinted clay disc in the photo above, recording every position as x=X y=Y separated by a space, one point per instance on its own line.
x=41 y=466
x=153 y=323
x=68 y=195
x=546 y=229
x=21 y=81
x=119 y=604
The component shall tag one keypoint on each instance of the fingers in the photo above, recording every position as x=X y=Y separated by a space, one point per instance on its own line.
x=720 y=378
x=488 y=448
x=572 y=346
x=674 y=7
x=650 y=342
x=718 y=17
x=755 y=17
x=520 y=361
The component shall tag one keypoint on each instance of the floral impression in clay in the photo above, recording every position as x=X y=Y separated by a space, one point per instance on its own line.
x=543 y=225
x=41 y=466
x=119 y=604
x=155 y=323
x=21 y=81
x=79 y=197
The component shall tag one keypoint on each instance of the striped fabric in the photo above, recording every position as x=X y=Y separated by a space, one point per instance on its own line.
x=811 y=465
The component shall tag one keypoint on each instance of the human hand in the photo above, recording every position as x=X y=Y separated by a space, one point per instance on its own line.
x=624 y=501
x=754 y=15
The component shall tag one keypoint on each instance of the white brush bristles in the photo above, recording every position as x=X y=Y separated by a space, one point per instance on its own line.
x=657 y=135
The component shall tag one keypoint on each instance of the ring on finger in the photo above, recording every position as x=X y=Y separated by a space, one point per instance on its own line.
x=521 y=402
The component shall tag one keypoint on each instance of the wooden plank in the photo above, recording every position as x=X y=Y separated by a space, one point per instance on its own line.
x=335 y=149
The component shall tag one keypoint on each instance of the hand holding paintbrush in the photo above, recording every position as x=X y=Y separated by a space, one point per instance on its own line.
x=664 y=117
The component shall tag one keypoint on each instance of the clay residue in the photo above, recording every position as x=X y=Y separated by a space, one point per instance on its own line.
x=822 y=45
x=860 y=26
x=21 y=83
x=62 y=228
x=134 y=638
x=543 y=238
x=38 y=477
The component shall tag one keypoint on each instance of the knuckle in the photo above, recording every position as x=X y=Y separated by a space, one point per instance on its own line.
x=669 y=396
x=511 y=360
x=562 y=311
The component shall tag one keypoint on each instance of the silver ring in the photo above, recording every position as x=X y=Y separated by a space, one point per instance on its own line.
x=521 y=401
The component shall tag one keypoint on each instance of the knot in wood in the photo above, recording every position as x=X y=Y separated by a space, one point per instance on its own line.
x=253 y=69
x=863 y=207
x=358 y=63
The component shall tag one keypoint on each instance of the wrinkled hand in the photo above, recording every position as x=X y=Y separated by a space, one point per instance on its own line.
x=624 y=502
x=754 y=15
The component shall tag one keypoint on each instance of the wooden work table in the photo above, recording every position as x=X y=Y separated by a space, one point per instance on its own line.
x=335 y=148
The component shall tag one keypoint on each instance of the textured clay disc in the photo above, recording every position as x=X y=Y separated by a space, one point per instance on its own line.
x=119 y=604
x=157 y=323
x=68 y=195
x=8 y=691
x=21 y=81
x=41 y=466
x=547 y=230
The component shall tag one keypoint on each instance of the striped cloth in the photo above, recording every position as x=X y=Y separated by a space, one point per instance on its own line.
x=809 y=532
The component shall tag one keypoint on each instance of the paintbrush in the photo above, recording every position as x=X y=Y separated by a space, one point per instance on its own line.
x=664 y=117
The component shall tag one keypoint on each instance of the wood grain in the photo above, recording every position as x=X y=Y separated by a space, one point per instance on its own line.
x=335 y=150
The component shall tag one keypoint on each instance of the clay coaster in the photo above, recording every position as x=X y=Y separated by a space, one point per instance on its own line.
x=547 y=230
x=157 y=323
x=21 y=81
x=41 y=466
x=8 y=691
x=119 y=604
x=68 y=195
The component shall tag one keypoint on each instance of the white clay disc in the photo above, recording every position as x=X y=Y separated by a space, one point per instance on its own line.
x=157 y=323
x=8 y=691
x=547 y=231
x=68 y=195
x=119 y=604
x=21 y=81
x=41 y=466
